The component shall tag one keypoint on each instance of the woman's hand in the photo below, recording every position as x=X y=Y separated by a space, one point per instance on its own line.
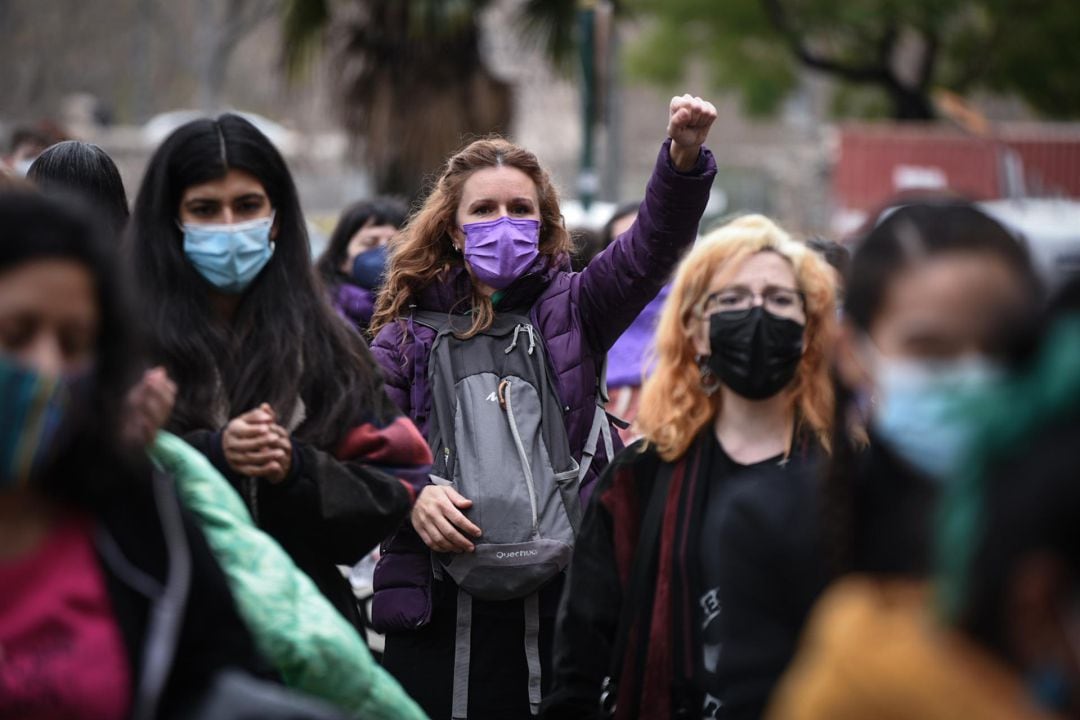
x=149 y=405
x=256 y=446
x=439 y=521
x=688 y=127
x=282 y=442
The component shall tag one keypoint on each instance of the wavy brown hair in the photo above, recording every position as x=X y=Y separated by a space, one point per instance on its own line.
x=674 y=407
x=424 y=251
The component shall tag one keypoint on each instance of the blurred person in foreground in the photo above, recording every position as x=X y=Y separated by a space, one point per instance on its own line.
x=87 y=172
x=293 y=626
x=112 y=604
x=935 y=293
x=741 y=391
x=354 y=262
x=998 y=633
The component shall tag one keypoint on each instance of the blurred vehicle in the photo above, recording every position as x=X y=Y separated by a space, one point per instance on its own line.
x=1052 y=230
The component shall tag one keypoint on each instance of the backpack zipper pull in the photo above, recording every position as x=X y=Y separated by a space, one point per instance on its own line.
x=513 y=344
x=504 y=386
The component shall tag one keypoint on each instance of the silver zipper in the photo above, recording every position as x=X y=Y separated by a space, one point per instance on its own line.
x=522 y=454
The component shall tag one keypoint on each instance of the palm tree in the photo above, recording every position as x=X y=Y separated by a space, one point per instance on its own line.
x=410 y=77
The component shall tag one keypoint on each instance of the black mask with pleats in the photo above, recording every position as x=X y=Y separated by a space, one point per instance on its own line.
x=754 y=352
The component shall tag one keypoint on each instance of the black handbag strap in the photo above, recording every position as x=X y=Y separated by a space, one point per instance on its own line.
x=641 y=588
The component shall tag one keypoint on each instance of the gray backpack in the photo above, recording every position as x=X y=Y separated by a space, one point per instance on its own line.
x=498 y=436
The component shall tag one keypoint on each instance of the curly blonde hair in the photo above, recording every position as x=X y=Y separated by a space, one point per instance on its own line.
x=423 y=252
x=674 y=406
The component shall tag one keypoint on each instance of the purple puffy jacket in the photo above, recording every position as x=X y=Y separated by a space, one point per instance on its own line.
x=354 y=303
x=579 y=316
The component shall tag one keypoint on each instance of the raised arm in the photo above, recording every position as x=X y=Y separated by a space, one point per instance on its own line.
x=626 y=276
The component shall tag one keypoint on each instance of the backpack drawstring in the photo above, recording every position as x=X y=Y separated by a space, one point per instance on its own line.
x=532 y=338
x=513 y=344
x=528 y=330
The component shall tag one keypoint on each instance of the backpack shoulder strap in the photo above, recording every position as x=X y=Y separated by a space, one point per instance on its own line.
x=601 y=381
x=444 y=323
x=462 y=656
x=532 y=651
x=437 y=321
x=601 y=428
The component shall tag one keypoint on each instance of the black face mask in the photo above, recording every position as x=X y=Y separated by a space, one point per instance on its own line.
x=754 y=352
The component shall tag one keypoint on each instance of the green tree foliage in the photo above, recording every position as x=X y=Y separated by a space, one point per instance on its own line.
x=409 y=76
x=411 y=80
x=900 y=50
x=1041 y=59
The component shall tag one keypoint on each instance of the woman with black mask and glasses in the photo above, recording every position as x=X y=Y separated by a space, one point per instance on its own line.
x=740 y=391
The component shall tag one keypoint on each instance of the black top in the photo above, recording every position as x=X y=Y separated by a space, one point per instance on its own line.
x=893 y=515
x=595 y=592
x=776 y=562
x=722 y=477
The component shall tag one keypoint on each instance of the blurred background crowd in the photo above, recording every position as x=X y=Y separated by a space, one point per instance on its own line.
x=368 y=97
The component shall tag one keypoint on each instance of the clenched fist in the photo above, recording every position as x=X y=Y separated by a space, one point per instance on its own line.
x=688 y=126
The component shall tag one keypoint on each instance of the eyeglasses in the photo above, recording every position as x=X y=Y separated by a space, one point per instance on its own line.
x=777 y=300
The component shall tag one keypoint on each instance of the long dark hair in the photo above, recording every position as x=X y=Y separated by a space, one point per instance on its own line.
x=377 y=211
x=94 y=463
x=912 y=233
x=284 y=344
x=87 y=171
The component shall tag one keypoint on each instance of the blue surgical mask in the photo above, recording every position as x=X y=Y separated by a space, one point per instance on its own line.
x=229 y=257
x=34 y=406
x=368 y=268
x=921 y=409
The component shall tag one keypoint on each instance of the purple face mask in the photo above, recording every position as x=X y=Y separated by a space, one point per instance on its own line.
x=500 y=251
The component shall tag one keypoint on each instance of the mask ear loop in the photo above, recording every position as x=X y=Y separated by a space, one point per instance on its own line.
x=710 y=383
x=270 y=232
